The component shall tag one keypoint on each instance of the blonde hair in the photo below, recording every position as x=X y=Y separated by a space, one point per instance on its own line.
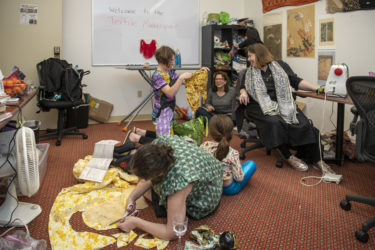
x=220 y=127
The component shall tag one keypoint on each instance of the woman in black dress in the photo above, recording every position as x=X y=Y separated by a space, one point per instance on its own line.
x=266 y=92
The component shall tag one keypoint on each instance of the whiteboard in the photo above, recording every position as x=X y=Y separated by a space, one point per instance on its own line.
x=118 y=26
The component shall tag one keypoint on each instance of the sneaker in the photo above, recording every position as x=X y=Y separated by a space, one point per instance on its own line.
x=297 y=164
x=323 y=167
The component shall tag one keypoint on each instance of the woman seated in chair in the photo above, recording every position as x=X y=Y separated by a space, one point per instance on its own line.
x=266 y=92
x=235 y=176
x=219 y=98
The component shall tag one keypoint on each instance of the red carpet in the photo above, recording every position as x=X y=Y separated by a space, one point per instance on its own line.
x=273 y=211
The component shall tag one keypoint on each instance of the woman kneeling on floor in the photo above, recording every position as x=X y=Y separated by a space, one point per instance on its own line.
x=184 y=180
x=235 y=176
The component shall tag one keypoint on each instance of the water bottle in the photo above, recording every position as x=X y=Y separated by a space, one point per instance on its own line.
x=2 y=93
x=178 y=59
x=76 y=69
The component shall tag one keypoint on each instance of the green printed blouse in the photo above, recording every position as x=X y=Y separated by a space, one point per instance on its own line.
x=196 y=166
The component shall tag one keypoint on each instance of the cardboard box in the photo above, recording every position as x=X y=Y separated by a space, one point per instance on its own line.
x=99 y=110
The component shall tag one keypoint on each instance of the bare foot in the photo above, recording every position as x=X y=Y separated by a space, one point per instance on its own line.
x=134 y=137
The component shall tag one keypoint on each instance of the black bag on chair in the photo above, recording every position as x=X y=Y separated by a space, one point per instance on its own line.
x=60 y=88
x=60 y=80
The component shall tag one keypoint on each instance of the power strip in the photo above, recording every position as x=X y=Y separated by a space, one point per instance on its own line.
x=332 y=178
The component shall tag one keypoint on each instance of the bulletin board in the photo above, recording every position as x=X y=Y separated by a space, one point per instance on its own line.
x=118 y=26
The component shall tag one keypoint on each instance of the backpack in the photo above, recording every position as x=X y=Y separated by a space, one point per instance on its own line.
x=59 y=81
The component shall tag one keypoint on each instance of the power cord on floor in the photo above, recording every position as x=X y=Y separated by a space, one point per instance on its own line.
x=320 y=178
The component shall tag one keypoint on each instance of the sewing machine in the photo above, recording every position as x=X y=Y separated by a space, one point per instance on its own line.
x=336 y=81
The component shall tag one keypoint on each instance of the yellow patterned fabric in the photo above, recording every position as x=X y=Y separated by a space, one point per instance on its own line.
x=94 y=200
x=123 y=239
x=196 y=85
x=150 y=243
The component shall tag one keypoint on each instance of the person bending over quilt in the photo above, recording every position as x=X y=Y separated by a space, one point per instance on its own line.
x=219 y=98
x=235 y=176
x=267 y=94
x=166 y=83
x=184 y=180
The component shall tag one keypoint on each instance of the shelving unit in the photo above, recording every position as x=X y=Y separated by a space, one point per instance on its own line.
x=225 y=33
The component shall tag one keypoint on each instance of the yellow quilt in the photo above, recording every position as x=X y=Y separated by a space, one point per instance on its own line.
x=196 y=85
x=101 y=204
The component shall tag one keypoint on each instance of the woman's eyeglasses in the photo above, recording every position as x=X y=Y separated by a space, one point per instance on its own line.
x=219 y=79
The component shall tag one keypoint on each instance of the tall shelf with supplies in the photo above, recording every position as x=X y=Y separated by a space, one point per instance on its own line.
x=217 y=43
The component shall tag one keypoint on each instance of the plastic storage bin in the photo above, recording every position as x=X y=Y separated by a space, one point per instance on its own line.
x=43 y=147
x=34 y=125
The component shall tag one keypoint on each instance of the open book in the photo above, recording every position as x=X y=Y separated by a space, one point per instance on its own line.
x=97 y=167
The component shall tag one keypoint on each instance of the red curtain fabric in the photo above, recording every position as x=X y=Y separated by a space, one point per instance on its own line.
x=274 y=4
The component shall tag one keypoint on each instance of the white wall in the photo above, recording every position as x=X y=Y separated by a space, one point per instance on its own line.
x=116 y=85
x=26 y=45
x=354 y=45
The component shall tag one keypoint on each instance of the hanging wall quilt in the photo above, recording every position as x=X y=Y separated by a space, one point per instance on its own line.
x=300 y=40
x=272 y=39
x=274 y=4
x=334 y=6
x=272 y=33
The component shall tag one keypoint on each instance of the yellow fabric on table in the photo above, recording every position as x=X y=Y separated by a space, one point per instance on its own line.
x=88 y=197
x=196 y=85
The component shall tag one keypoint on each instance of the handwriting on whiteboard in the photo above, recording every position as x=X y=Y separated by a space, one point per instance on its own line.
x=117 y=10
x=118 y=20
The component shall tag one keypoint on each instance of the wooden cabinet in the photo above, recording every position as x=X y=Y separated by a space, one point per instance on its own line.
x=217 y=42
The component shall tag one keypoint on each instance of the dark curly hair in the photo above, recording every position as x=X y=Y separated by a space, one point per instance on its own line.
x=152 y=161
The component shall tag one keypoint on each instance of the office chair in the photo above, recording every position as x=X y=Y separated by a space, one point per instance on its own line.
x=251 y=131
x=60 y=88
x=361 y=90
x=252 y=137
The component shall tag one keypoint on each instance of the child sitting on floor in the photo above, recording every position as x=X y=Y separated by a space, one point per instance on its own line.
x=235 y=176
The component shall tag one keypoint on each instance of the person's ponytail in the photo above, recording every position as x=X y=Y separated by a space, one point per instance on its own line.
x=222 y=149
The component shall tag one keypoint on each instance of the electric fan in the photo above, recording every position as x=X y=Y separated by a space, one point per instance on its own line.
x=27 y=173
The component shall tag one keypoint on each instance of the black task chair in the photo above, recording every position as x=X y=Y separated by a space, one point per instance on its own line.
x=361 y=90
x=251 y=134
x=60 y=88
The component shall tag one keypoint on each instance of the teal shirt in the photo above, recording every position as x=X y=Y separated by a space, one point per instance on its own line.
x=193 y=166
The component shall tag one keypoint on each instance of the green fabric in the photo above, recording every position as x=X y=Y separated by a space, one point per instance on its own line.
x=224 y=17
x=193 y=129
x=193 y=166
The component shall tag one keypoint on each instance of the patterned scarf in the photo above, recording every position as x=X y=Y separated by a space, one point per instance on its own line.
x=285 y=106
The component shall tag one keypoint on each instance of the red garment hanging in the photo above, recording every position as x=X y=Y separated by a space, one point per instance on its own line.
x=148 y=50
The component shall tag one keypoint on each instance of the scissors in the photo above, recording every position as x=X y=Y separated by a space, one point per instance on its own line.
x=132 y=213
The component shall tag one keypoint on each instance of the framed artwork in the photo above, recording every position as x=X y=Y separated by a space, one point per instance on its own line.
x=300 y=40
x=325 y=60
x=326 y=32
x=273 y=39
x=334 y=6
